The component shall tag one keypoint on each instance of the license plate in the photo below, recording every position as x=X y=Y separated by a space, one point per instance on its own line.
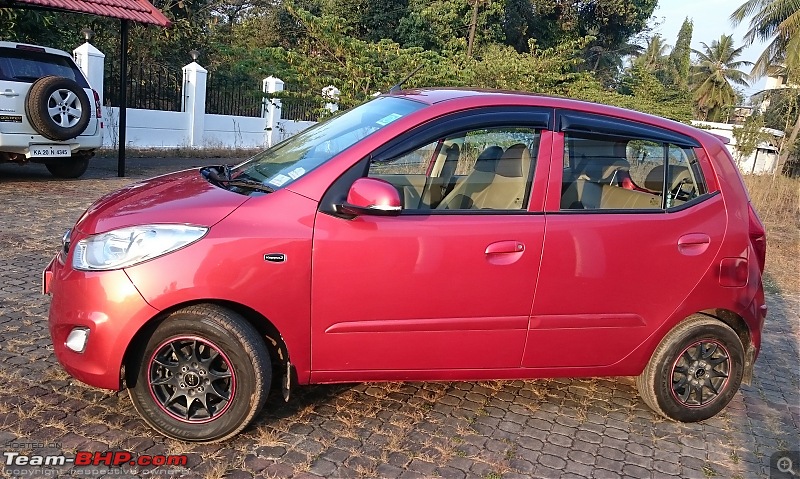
x=49 y=151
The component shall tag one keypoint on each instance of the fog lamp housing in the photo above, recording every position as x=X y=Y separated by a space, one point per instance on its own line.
x=77 y=339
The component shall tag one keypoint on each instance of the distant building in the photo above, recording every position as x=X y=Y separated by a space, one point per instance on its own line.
x=763 y=161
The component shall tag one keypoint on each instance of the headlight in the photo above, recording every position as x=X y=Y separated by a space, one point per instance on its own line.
x=128 y=246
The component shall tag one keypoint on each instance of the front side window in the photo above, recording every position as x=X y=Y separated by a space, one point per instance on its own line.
x=612 y=173
x=481 y=169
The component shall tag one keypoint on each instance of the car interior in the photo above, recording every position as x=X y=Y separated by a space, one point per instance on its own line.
x=599 y=173
x=605 y=174
x=471 y=172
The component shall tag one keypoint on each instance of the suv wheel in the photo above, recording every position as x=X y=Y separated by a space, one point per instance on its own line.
x=57 y=108
x=69 y=167
x=203 y=375
x=694 y=372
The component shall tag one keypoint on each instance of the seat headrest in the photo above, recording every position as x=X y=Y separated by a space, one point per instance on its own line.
x=654 y=181
x=677 y=174
x=512 y=163
x=617 y=164
x=487 y=160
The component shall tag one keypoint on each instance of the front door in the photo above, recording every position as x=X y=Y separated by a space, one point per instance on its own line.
x=446 y=285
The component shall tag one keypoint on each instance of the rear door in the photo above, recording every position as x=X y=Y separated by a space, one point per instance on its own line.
x=620 y=255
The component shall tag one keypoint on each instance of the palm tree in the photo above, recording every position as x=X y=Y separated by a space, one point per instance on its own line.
x=776 y=21
x=654 y=53
x=712 y=75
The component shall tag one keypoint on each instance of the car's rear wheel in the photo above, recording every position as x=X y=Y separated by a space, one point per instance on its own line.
x=695 y=370
x=69 y=167
x=57 y=108
x=203 y=375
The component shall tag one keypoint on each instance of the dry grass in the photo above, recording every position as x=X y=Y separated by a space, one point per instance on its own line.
x=777 y=201
x=183 y=152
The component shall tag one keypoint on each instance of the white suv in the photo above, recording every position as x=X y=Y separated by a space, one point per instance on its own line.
x=46 y=112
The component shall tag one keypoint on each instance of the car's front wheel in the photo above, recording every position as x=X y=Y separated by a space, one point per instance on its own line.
x=695 y=370
x=203 y=375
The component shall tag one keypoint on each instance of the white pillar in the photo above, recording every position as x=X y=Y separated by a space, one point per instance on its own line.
x=91 y=61
x=194 y=102
x=331 y=95
x=272 y=84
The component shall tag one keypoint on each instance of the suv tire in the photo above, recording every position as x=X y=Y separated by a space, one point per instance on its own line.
x=57 y=108
x=69 y=168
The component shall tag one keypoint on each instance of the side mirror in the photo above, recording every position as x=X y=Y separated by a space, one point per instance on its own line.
x=371 y=196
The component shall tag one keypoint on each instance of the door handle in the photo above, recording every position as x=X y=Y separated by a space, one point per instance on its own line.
x=693 y=244
x=9 y=92
x=505 y=247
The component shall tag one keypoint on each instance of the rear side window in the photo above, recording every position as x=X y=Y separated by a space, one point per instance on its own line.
x=614 y=173
x=28 y=66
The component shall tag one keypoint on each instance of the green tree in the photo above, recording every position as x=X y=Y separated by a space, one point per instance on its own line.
x=777 y=22
x=652 y=58
x=749 y=136
x=370 y=20
x=680 y=56
x=718 y=66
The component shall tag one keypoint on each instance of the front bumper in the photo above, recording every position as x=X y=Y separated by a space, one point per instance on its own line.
x=106 y=303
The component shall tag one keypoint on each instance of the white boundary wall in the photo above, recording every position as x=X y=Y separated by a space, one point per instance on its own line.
x=193 y=127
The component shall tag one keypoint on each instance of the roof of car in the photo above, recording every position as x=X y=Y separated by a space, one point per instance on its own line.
x=503 y=97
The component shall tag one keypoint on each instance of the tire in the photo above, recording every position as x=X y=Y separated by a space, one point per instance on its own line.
x=57 y=108
x=695 y=370
x=69 y=168
x=223 y=361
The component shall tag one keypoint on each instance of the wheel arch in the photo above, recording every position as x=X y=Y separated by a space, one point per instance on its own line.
x=738 y=324
x=271 y=336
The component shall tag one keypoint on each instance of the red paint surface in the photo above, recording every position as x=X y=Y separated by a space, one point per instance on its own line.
x=420 y=297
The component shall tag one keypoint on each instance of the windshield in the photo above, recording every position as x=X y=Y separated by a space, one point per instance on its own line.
x=281 y=165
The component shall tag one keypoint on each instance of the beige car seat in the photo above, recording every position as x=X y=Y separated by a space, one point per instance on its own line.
x=499 y=185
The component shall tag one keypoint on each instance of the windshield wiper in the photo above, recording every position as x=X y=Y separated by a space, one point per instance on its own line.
x=245 y=183
x=212 y=173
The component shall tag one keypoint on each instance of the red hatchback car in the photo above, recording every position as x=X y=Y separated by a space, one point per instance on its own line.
x=432 y=234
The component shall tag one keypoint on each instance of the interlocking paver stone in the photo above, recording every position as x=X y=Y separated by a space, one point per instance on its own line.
x=572 y=428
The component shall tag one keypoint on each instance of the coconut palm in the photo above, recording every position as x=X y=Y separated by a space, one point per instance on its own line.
x=776 y=22
x=653 y=55
x=711 y=77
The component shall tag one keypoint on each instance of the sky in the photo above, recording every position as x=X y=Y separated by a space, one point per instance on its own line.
x=711 y=19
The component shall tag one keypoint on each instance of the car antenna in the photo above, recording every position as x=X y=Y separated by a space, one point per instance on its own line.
x=399 y=86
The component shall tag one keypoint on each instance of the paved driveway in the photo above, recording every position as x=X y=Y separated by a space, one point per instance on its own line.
x=548 y=428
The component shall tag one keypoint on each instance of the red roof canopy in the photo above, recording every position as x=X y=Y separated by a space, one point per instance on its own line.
x=140 y=11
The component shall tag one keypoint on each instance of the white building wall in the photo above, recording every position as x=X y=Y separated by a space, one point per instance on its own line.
x=763 y=161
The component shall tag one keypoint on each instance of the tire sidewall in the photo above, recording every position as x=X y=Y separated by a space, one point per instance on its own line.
x=69 y=168
x=36 y=110
x=243 y=367
x=663 y=384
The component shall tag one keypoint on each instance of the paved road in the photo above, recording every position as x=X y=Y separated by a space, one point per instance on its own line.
x=548 y=428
